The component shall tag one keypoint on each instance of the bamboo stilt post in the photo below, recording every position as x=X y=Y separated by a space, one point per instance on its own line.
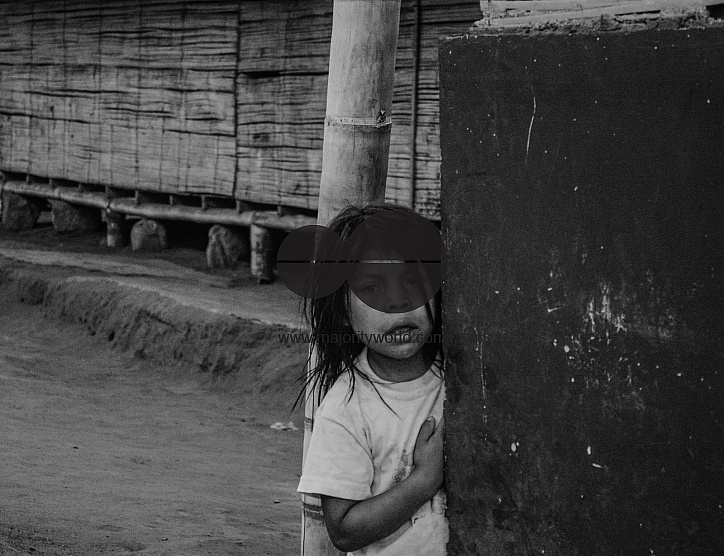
x=355 y=154
x=262 y=254
x=116 y=229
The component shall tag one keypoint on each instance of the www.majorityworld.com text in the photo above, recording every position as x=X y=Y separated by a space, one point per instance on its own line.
x=389 y=338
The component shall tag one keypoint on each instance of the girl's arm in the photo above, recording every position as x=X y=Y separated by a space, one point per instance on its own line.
x=354 y=524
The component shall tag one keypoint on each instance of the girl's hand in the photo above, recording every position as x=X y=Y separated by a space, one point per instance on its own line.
x=428 y=456
x=354 y=524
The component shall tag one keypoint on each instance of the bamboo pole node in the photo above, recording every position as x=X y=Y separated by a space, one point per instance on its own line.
x=382 y=122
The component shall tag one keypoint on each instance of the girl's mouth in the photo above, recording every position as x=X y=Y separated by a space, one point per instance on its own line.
x=402 y=333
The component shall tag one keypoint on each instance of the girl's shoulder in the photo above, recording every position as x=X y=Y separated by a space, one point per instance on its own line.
x=345 y=400
x=341 y=384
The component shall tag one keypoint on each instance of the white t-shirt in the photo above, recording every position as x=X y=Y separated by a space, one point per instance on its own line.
x=360 y=448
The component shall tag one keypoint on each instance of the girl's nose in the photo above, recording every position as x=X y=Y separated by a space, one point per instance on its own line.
x=397 y=300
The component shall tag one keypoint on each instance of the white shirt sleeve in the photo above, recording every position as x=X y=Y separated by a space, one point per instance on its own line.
x=339 y=461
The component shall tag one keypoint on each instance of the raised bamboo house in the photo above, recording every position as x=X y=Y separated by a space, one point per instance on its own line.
x=200 y=110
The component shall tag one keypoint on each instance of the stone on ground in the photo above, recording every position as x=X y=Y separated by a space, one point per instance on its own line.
x=68 y=217
x=20 y=212
x=148 y=235
x=227 y=247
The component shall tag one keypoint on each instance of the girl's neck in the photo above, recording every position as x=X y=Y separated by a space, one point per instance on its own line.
x=397 y=370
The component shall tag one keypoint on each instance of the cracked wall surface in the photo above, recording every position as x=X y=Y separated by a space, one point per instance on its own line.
x=583 y=313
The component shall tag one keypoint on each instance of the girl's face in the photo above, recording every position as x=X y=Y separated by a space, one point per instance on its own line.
x=400 y=330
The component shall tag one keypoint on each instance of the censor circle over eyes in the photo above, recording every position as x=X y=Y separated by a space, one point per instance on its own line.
x=394 y=261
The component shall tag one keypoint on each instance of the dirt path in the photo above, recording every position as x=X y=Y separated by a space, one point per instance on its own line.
x=103 y=453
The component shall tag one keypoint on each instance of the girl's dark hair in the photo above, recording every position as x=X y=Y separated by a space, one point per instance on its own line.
x=328 y=316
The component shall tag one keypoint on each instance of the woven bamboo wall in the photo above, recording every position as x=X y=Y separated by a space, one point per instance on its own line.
x=130 y=94
x=201 y=97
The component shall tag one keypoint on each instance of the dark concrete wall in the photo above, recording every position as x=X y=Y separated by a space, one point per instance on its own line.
x=582 y=205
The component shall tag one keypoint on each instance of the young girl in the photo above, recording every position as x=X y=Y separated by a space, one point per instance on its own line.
x=375 y=455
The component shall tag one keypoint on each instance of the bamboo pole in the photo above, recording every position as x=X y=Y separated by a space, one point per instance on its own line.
x=417 y=20
x=159 y=211
x=354 y=156
x=67 y=194
x=359 y=104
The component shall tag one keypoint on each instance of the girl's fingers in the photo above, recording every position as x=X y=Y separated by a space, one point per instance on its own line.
x=440 y=424
x=426 y=431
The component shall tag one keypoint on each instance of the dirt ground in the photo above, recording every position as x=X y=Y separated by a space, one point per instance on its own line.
x=103 y=452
